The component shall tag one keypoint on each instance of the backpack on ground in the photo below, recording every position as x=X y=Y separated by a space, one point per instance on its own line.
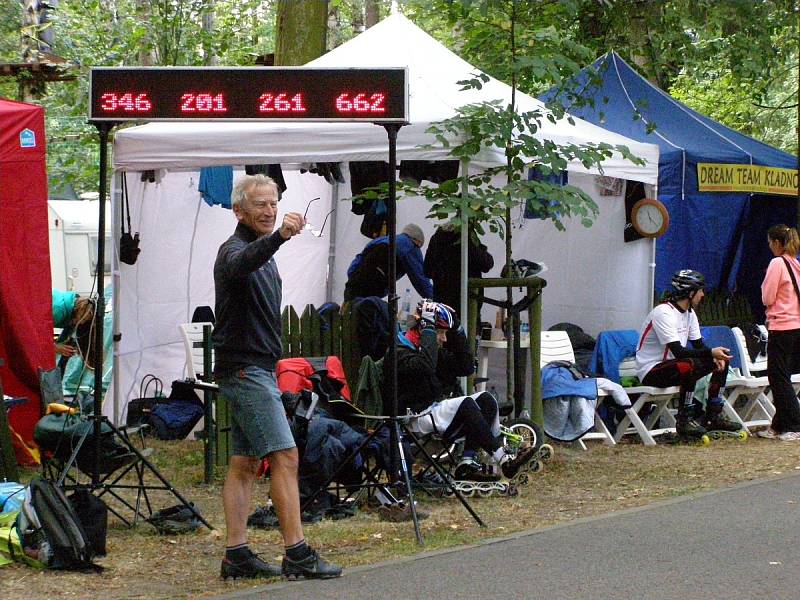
x=50 y=530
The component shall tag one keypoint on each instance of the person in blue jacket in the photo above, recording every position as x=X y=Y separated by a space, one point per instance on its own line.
x=367 y=274
x=70 y=311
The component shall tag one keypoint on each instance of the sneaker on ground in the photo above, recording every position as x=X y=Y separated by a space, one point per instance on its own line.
x=249 y=568
x=470 y=469
x=768 y=433
x=312 y=566
x=790 y=436
x=512 y=466
x=399 y=513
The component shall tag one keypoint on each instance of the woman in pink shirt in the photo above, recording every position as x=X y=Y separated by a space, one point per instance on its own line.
x=779 y=292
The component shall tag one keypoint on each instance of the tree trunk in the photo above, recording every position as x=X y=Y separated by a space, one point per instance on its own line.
x=301 y=31
x=145 y=57
x=372 y=13
x=209 y=18
x=641 y=47
x=30 y=31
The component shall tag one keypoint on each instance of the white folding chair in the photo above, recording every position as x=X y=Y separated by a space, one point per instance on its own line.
x=644 y=394
x=192 y=335
x=746 y=395
x=555 y=346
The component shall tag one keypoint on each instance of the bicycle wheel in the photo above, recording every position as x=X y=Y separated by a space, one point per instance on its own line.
x=530 y=432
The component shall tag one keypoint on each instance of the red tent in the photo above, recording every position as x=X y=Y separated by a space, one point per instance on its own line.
x=26 y=318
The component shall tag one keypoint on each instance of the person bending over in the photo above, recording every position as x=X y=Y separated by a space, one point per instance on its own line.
x=367 y=274
x=663 y=358
x=430 y=355
x=247 y=345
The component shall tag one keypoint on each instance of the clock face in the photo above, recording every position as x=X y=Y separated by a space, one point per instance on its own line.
x=649 y=218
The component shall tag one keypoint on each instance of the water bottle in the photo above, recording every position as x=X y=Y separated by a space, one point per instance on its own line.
x=405 y=308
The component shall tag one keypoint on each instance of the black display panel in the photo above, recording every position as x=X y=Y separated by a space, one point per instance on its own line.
x=243 y=94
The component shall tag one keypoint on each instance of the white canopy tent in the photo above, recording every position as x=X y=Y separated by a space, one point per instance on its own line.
x=180 y=233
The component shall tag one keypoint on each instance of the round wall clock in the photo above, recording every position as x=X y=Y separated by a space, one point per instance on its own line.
x=650 y=218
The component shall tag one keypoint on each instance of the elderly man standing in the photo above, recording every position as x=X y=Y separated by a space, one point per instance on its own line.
x=247 y=345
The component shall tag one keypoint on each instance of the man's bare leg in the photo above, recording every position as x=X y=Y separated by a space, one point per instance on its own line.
x=236 y=496
x=285 y=495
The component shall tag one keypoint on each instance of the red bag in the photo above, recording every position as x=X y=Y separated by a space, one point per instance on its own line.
x=293 y=374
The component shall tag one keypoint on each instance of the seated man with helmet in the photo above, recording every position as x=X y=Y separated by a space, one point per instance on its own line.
x=430 y=356
x=663 y=358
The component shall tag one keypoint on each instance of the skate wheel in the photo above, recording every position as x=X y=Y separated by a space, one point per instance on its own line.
x=535 y=466
x=546 y=452
x=742 y=435
x=485 y=491
x=448 y=493
x=705 y=440
x=512 y=490
x=522 y=479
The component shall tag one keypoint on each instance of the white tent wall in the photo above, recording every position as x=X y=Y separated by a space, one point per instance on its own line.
x=180 y=236
x=160 y=291
x=595 y=279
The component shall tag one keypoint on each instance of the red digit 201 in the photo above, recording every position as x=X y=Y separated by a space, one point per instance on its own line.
x=203 y=103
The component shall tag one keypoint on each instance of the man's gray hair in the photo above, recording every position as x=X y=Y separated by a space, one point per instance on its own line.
x=247 y=182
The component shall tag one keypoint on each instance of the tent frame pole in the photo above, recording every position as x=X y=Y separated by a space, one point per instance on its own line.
x=464 y=308
x=97 y=419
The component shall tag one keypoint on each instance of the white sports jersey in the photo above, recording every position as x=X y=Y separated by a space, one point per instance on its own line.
x=664 y=324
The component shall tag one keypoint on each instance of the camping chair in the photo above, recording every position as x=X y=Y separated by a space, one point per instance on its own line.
x=67 y=448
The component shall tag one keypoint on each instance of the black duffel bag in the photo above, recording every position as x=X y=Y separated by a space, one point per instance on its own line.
x=174 y=418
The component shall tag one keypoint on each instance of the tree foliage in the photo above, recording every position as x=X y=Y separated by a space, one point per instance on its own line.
x=518 y=43
x=727 y=59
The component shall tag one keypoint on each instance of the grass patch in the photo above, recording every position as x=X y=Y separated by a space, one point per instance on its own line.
x=143 y=564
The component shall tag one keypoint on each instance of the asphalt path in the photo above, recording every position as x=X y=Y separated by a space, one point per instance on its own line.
x=739 y=542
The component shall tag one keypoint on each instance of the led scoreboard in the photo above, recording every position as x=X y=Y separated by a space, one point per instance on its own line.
x=244 y=94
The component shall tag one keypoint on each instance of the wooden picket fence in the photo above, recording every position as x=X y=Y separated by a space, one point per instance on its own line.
x=303 y=336
x=306 y=336
x=720 y=307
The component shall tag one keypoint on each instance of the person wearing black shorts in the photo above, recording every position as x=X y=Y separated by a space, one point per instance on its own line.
x=663 y=358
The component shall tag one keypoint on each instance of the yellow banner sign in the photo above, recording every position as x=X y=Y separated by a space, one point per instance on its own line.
x=715 y=177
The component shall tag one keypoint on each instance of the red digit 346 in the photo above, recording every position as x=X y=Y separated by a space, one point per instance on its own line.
x=138 y=103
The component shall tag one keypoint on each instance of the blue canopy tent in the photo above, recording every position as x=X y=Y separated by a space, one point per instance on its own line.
x=721 y=234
